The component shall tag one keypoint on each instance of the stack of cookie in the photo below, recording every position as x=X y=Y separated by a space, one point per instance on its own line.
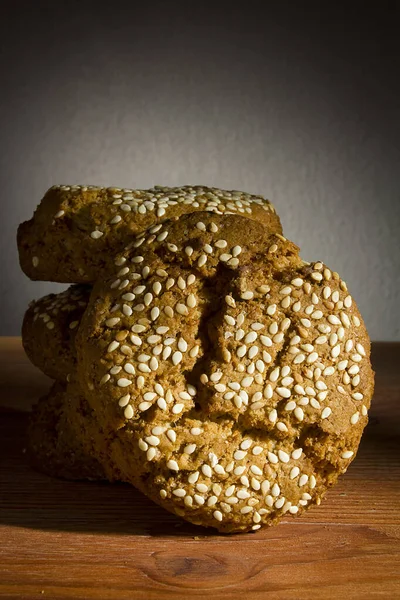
x=196 y=356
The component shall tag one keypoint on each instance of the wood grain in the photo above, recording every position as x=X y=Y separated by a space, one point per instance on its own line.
x=61 y=539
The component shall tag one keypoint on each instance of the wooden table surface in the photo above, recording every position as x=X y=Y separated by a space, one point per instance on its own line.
x=61 y=539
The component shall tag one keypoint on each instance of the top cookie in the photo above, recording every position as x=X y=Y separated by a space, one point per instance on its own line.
x=76 y=229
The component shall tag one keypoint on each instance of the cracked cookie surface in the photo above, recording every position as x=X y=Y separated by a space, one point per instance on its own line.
x=230 y=378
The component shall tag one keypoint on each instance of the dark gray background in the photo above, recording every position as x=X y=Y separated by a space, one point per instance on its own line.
x=287 y=101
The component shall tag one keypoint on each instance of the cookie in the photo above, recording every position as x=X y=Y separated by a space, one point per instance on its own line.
x=231 y=379
x=59 y=436
x=49 y=329
x=75 y=229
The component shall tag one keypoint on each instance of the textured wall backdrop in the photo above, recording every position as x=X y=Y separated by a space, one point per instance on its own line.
x=296 y=105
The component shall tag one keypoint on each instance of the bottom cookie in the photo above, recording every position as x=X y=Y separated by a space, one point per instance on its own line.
x=57 y=444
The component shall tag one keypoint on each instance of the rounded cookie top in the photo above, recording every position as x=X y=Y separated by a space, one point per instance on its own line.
x=234 y=376
x=76 y=228
x=49 y=328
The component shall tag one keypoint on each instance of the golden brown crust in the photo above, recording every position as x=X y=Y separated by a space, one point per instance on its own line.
x=49 y=329
x=75 y=229
x=231 y=379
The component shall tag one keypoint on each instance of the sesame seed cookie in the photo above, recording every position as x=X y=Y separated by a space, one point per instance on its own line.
x=75 y=229
x=60 y=436
x=49 y=329
x=231 y=379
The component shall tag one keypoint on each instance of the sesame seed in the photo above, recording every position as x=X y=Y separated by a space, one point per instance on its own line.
x=326 y=412
x=271 y=457
x=347 y=454
x=250 y=337
x=123 y=382
x=152 y=440
x=239 y=455
x=202 y=260
x=303 y=480
x=129 y=368
x=123 y=401
x=194 y=351
x=294 y=472
x=173 y=465
x=334 y=320
x=137 y=259
x=312 y=357
x=283 y=392
x=274 y=375
x=243 y=494
x=266 y=341
x=135 y=340
x=181 y=309
x=275 y=490
x=229 y=320
x=128 y=412
x=280 y=502
x=268 y=392
x=299 y=413
x=189 y=449
x=305 y=322
x=286 y=291
x=298 y=282
x=283 y=456
x=206 y=470
x=96 y=234
x=272 y=416
x=182 y=344
x=191 y=301
x=317 y=276
x=253 y=351
x=113 y=321
x=142 y=445
x=260 y=366
x=233 y=262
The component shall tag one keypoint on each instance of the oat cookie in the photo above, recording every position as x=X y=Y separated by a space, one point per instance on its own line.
x=49 y=329
x=231 y=379
x=75 y=229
